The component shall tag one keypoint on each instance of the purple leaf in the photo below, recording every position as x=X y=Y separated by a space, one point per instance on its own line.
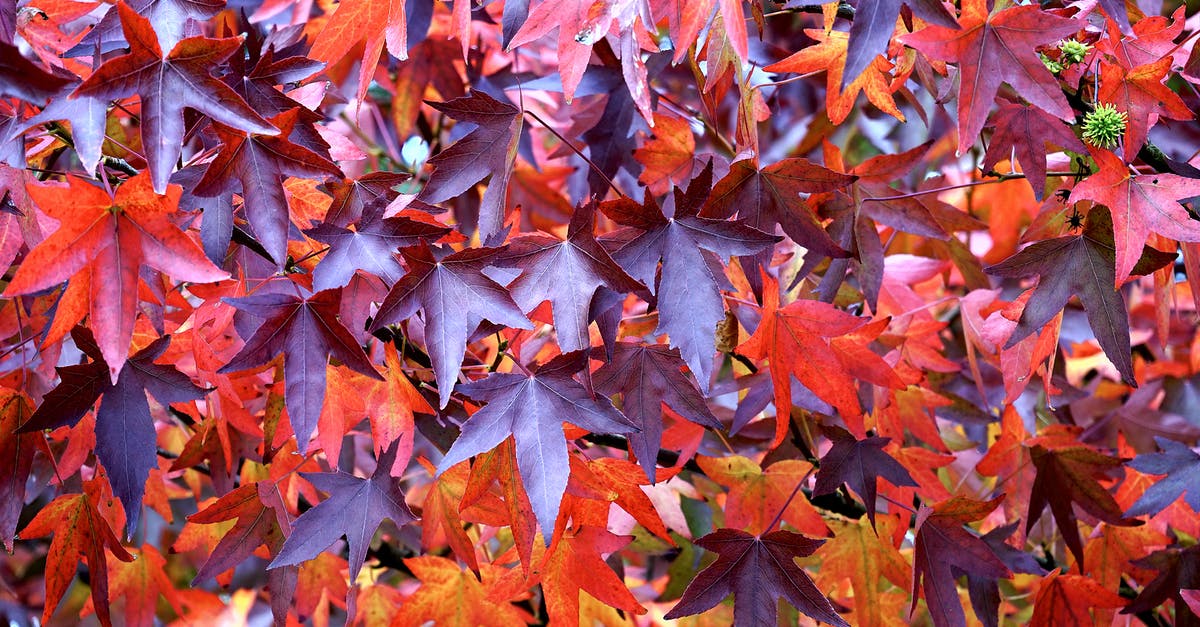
x=370 y=247
x=1181 y=465
x=859 y=464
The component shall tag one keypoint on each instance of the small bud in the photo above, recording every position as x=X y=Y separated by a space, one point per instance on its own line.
x=1073 y=51
x=1104 y=126
x=1052 y=65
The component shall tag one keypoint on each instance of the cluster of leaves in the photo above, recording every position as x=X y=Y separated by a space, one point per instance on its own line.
x=607 y=311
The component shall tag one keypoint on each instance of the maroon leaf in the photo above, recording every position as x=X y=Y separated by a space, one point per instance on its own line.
x=307 y=332
x=488 y=150
x=859 y=464
x=16 y=460
x=259 y=518
x=944 y=548
x=1027 y=131
x=125 y=435
x=566 y=273
x=532 y=409
x=352 y=196
x=257 y=165
x=355 y=509
x=649 y=376
x=168 y=84
x=455 y=296
x=690 y=283
x=1084 y=265
x=757 y=572
x=371 y=246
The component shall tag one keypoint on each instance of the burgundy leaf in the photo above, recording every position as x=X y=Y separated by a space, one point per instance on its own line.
x=355 y=509
x=566 y=273
x=1026 y=131
x=532 y=409
x=257 y=165
x=944 y=548
x=455 y=296
x=649 y=376
x=859 y=464
x=307 y=332
x=168 y=84
x=757 y=572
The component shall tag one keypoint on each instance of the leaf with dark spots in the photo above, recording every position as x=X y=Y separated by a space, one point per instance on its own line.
x=307 y=331
x=256 y=165
x=355 y=509
x=757 y=571
x=532 y=409
x=859 y=464
x=167 y=84
x=944 y=548
x=455 y=296
x=125 y=435
x=487 y=151
x=688 y=287
x=371 y=246
x=649 y=376
x=1082 y=265
x=567 y=273
x=1068 y=472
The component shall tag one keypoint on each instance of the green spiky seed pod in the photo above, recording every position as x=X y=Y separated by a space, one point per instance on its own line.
x=1073 y=51
x=1104 y=126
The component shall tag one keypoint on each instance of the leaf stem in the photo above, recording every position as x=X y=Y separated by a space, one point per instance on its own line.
x=790 y=497
x=568 y=144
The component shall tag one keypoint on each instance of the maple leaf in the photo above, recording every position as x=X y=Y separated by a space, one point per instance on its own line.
x=370 y=21
x=125 y=435
x=1083 y=265
x=859 y=464
x=455 y=296
x=532 y=409
x=355 y=509
x=1179 y=463
x=1067 y=473
x=371 y=246
x=1177 y=573
x=79 y=529
x=828 y=56
x=488 y=150
x=1139 y=204
x=573 y=564
x=259 y=519
x=24 y=79
x=613 y=480
x=758 y=571
x=140 y=583
x=88 y=116
x=873 y=26
x=307 y=331
x=257 y=164
x=100 y=244
x=449 y=595
x=1068 y=600
x=689 y=286
x=991 y=48
x=168 y=17
x=167 y=84
x=16 y=460
x=1141 y=94
x=353 y=196
x=770 y=196
x=1025 y=132
x=649 y=376
x=567 y=273
x=943 y=549
x=757 y=495
x=824 y=348
x=868 y=558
